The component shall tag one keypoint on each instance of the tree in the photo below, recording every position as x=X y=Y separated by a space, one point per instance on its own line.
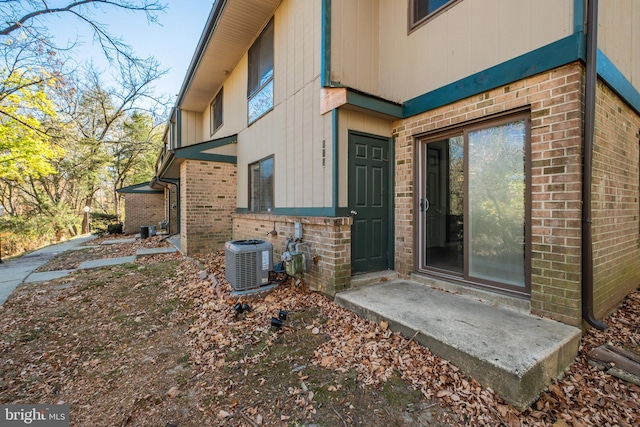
x=134 y=153
x=24 y=17
x=60 y=127
x=25 y=146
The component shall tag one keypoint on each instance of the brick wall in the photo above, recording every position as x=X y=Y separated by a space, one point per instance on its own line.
x=207 y=200
x=328 y=239
x=142 y=209
x=615 y=208
x=555 y=102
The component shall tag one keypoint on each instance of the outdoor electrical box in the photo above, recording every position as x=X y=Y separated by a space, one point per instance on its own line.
x=248 y=263
x=297 y=230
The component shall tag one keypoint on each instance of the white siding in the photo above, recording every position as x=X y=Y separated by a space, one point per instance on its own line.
x=619 y=36
x=355 y=58
x=191 y=127
x=294 y=131
x=471 y=36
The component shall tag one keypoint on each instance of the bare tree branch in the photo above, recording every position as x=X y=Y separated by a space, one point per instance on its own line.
x=20 y=22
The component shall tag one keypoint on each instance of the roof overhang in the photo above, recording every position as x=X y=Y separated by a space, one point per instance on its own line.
x=230 y=29
x=221 y=150
x=143 y=188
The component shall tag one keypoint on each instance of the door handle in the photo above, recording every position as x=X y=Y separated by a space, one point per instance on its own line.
x=425 y=206
x=353 y=213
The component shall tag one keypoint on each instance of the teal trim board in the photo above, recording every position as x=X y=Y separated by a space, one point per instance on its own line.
x=143 y=188
x=208 y=157
x=617 y=81
x=335 y=136
x=196 y=151
x=325 y=44
x=373 y=103
x=392 y=204
x=302 y=211
x=554 y=55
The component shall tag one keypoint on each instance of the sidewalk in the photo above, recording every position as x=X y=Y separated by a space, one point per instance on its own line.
x=15 y=271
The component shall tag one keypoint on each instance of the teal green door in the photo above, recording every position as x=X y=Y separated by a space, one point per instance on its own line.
x=369 y=202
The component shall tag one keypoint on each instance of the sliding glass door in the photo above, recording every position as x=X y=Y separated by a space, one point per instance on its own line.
x=473 y=203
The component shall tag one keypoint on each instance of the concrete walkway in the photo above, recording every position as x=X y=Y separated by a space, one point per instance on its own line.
x=22 y=269
x=514 y=353
x=15 y=271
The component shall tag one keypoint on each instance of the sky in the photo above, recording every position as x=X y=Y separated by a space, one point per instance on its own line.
x=172 y=42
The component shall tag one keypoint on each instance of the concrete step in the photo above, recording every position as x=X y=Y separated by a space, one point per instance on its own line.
x=154 y=251
x=514 y=353
x=106 y=262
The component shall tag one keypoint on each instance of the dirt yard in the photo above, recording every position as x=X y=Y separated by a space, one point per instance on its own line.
x=159 y=343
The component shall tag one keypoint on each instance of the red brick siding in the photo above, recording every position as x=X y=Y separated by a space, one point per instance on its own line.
x=329 y=239
x=142 y=209
x=555 y=101
x=207 y=200
x=616 y=225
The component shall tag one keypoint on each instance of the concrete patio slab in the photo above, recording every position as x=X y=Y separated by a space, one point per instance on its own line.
x=154 y=251
x=46 y=276
x=117 y=241
x=514 y=353
x=106 y=262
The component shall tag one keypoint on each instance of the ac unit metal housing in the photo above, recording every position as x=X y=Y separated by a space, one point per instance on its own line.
x=248 y=263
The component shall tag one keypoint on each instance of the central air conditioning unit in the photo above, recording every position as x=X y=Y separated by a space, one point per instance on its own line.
x=248 y=263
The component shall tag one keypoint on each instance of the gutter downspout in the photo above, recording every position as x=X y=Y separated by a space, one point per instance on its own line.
x=589 y=136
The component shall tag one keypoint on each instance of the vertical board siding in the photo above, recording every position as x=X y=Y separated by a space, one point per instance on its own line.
x=191 y=127
x=469 y=37
x=294 y=130
x=619 y=36
x=355 y=57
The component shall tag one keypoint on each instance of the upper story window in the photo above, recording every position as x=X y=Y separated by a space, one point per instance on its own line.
x=260 y=82
x=216 y=112
x=421 y=10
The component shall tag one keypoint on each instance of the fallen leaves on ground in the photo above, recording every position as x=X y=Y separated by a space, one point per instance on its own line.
x=98 y=249
x=152 y=348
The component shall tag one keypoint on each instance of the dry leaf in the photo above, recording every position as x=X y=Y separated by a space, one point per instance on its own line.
x=173 y=392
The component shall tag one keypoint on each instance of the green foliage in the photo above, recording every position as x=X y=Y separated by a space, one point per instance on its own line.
x=101 y=222
x=24 y=233
x=25 y=149
x=68 y=139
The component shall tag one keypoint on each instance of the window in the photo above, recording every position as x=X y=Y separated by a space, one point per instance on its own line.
x=473 y=203
x=261 y=185
x=420 y=10
x=216 y=112
x=260 y=82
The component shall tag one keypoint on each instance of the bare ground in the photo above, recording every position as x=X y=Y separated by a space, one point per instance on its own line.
x=155 y=343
